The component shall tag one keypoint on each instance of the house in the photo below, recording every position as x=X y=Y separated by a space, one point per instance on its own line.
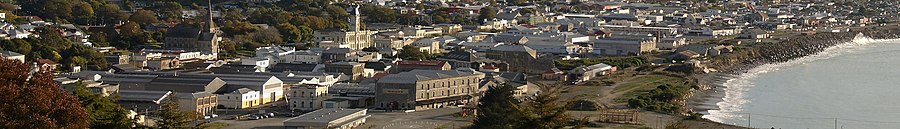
x=754 y=34
x=409 y=65
x=520 y=58
x=164 y=63
x=143 y=100
x=307 y=97
x=329 y=118
x=47 y=65
x=12 y=56
x=239 y=99
x=622 y=46
x=203 y=103
x=427 y=89
x=353 y=69
x=553 y=74
x=337 y=54
x=585 y=73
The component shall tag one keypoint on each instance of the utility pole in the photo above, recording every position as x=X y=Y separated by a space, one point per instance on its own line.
x=835 y=123
x=748 y=120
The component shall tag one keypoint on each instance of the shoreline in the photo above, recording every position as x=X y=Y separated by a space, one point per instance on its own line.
x=713 y=86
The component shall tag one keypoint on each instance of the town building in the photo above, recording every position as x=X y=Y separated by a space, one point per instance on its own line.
x=12 y=56
x=427 y=89
x=409 y=65
x=330 y=118
x=189 y=38
x=352 y=69
x=307 y=97
x=240 y=99
x=356 y=38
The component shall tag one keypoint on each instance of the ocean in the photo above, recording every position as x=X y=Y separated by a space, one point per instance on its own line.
x=855 y=85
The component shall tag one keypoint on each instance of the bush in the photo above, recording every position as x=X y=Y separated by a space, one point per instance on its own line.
x=660 y=99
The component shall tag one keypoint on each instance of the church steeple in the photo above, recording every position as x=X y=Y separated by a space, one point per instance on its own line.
x=210 y=24
x=354 y=20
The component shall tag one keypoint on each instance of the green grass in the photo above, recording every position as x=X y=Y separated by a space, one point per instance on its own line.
x=646 y=82
x=641 y=85
x=214 y=125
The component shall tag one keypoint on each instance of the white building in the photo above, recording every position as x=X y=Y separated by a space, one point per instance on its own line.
x=307 y=97
x=332 y=118
x=240 y=98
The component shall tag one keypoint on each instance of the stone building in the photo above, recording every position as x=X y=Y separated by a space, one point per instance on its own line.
x=190 y=38
x=355 y=38
x=427 y=89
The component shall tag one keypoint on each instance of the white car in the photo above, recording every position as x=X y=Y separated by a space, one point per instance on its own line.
x=214 y=115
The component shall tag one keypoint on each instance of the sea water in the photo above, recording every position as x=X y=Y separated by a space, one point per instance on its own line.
x=855 y=85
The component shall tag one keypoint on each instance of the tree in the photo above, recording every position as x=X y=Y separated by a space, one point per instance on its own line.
x=486 y=13
x=268 y=36
x=171 y=118
x=103 y=112
x=546 y=111
x=290 y=32
x=233 y=27
x=35 y=101
x=143 y=17
x=170 y=10
x=498 y=109
x=411 y=53
x=85 y=13
x=110 y=14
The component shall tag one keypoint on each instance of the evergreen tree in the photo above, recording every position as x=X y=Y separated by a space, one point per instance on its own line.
x=103 y=112
x=171 y=118
x=546 y=111
x=498 y=109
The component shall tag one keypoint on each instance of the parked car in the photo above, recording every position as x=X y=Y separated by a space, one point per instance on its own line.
x=254 y=117
x=214 y=115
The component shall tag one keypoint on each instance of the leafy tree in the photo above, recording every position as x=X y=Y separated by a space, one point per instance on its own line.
x=143 y=17
x=498 y=109
x=103 y=112
x=378 y=14
x=486 y=13
x=35 y=101
x=234 y=27
x=411 y=53
x=85 y=13
x=290 y=32
x=172 y=118
x=169 y=10
x=110 y=14
x=268 y=36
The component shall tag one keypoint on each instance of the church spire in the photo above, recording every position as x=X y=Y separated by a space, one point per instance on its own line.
x=211 y=25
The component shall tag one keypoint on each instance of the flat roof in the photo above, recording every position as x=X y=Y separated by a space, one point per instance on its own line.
x=325 y=115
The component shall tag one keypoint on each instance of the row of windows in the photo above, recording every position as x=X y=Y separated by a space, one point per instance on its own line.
x=448 y=83
x=442 y=93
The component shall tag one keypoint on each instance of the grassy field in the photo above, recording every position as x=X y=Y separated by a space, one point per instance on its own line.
x=642 y=84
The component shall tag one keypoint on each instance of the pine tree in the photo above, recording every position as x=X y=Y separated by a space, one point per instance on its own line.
x=103 y=112
x=546 y=110
x=498 y=109
x=171 y=118
x=32 y=100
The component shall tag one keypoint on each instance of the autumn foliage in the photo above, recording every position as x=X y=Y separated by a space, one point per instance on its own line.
x=36 y=103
